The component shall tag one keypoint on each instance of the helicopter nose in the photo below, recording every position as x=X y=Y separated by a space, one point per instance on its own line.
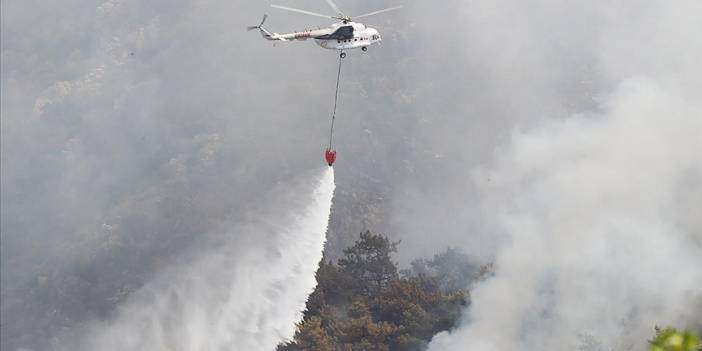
x=375 y=34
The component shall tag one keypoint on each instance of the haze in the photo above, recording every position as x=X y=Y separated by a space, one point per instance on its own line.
x=560 y=140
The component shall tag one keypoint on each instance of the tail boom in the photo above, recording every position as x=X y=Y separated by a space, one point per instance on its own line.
x=264 y=32
x=304 y=35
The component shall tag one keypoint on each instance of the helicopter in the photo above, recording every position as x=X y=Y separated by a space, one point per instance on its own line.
x=343 y=35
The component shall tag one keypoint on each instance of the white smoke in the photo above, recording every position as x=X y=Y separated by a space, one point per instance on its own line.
x=596 y=213
x=598 y=216
x=244 y=295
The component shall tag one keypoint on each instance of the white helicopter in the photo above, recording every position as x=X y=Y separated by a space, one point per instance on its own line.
x=340 y=36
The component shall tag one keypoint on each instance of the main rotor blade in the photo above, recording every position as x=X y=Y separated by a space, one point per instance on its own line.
x=302 y=11
x=377 y=12
x=334 y=7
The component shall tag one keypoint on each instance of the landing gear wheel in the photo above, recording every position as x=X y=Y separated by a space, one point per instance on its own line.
x=365 y=48
x=342 y=55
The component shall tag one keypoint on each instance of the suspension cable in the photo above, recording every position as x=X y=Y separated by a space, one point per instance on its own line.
x=336 y=98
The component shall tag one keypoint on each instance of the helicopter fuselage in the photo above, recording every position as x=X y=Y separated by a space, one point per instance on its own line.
x=339 y=36
x=349 y=36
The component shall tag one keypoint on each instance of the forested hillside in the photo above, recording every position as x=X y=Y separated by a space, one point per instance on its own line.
x=362 y=301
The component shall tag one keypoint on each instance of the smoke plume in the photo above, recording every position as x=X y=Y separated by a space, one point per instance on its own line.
x=595 y=216
x=598 y=237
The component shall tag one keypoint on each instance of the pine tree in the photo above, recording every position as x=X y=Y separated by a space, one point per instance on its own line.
x=369 y=262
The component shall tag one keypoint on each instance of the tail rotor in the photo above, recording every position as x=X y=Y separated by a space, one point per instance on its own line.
x=260 y=25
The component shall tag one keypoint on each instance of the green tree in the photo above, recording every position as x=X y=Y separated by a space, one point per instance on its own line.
x=670 y=339
x=368 y=262
x=333 y=288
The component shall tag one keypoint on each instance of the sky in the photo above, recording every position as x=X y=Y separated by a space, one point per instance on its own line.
x=508 y=129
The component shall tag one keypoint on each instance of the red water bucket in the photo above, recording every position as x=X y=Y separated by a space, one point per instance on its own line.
x=330 y=156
